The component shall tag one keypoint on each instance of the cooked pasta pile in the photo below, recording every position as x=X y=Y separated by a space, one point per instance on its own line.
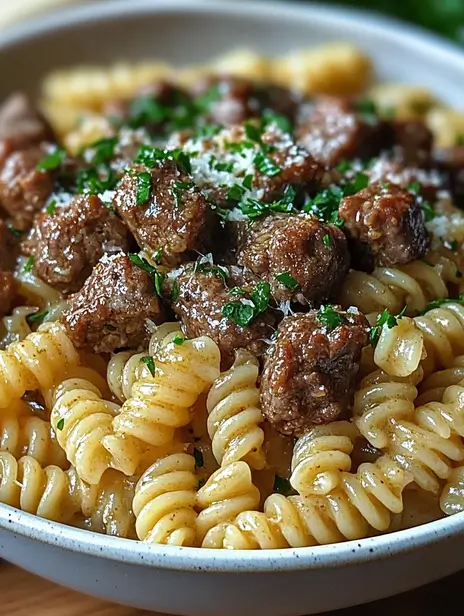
x=232 y=302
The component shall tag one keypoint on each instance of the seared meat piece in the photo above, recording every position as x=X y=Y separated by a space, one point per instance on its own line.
x=260 y=166
x=235 y=99
x=313 y=253
x=23 y=189
x=7 y=292
x=310 y=372
x=114 y=307
x=332 y=129
x=68 y=243
x=384 y=225
x=21 y=124
x=412 y=142
x=175 y=217
x=425 y=182
x=203 y=293
x=451 y=162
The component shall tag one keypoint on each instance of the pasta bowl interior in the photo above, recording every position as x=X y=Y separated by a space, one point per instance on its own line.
x=231 y=295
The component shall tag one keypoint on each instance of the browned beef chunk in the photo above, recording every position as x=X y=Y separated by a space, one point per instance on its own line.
x=412 y=142
x=451 y=162
x=259 y=167
x=114 y=307
x=203 y=293
x=302 y=258
x=21 y=124
x=23 y=189
x=310 y=372
x=232 y=100
x=68 y=243
x=426 y=182
x=7 y=283
x=334 y=129
x=7 y=292
x=385 y=226
x=7 y=248
x=175 y=217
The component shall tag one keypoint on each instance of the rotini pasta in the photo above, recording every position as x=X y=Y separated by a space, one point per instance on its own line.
x=235 y=415
x=452 y=496
x=38 y=361
x=164 y=501
x=399 y=349
x=432 y=388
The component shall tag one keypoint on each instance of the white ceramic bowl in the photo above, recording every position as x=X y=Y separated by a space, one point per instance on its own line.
x=206 y=582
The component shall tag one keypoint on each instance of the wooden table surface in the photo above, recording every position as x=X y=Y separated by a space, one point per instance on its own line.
x=22 y=594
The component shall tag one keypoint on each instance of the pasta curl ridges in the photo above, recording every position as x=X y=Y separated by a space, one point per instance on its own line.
x=432 y=388
x=228 y=492
x=164 y=501
x=22 y=433
x=161 y=403
x=320 y=455
x=414 y=285
x=399 y=349
x=38 y=361
x=77 y=374
x=163 y=335
x=379 y=399
x=452 y=497
x=443 y=332
x=81 y=418
x=235 y=414
x=124 y=369
x=362 y=501
x=58 y=495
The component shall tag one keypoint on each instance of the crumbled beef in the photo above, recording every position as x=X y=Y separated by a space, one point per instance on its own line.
x=21 y=124
x=314 y=254
x=175 y=218
x=310 y=372
x=68 y=243
x=243 y=162
x=114 y=308
x=412 y=142
x=385 y=226
x=335 y=129
x=203 y=293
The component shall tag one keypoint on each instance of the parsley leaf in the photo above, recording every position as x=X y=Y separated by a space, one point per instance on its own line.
x=158 y=277
x=429 y=211
x=439 y=302
x=242 y=312
x=52 y=161
x=38 y=317
x=254 y=208
x=266 y=165
x=282 y=485
x=235 y=193
x=175 y=291
x=366 y=107
x=288 y=281
x=14 y=231
x=252 y=131
x=60 y=424
x=199 y=461
x=146 y=110
x=330 y=318
x=271 y=117
x=326 y=239
x=209 y=268
x=414 y=187
x=102 y=151
x=29 y=265
x=178 y=339
x=239 y=313
x=248 y=181
x=143 y=187
x=51 y=207
x=260 y=297
x=149 y=362
x=386 y=318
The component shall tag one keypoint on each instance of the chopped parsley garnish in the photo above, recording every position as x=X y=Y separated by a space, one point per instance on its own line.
x=102 y=151
x=158 y=277
x=14 y=231
x=38 y=317
x=143 y=187
x=175 y=291
x=254 y=208
x=248 y=181
x=29 y=264
x=228 y=167
x=235 y=193
x=253 y=131
x=429 y=211
x=51 y=207
x=149 y=362
x=178 y=188
x=288 y=281
x=360 y=182
x=199 y=462
x=60 y=424
x=242 y=312
x=178 y=339
x=182 y=159
x=330 y=318
x=149 y=156
x=237 y=291
x=146 y=110
x=52 y=161
x=158 y=255
x=459 y=140
x=439 y=302
x=206 y=267
x=266 y=165
x=414 y=187
x=271 y=117
x=282 y=485
x=325 y=204
x=453 y=246
x=343 y=166
x=386 y=318
x=366 y=107
x=326 y=239
x=91 y=181
x=204 y=101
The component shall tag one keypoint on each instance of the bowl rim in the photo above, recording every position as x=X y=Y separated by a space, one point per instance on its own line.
x=201 y=559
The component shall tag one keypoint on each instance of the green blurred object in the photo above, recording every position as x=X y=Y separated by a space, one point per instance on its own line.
x=445 y=17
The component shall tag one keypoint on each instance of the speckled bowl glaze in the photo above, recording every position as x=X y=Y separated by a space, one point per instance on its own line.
x=198 y=582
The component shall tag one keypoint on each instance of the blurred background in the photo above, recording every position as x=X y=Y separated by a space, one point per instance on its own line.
x=445 y=17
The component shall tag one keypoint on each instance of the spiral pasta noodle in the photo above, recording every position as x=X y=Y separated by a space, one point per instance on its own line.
x=399 y=349
x=161 y=403
x=320 y=455
x=59 y=495
x=432 y=388
x=22 y=433
x=38 y=361
x=228 y=492
x=235 y=415
x=452 y=496
x=164 y=501
x=360 y=502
